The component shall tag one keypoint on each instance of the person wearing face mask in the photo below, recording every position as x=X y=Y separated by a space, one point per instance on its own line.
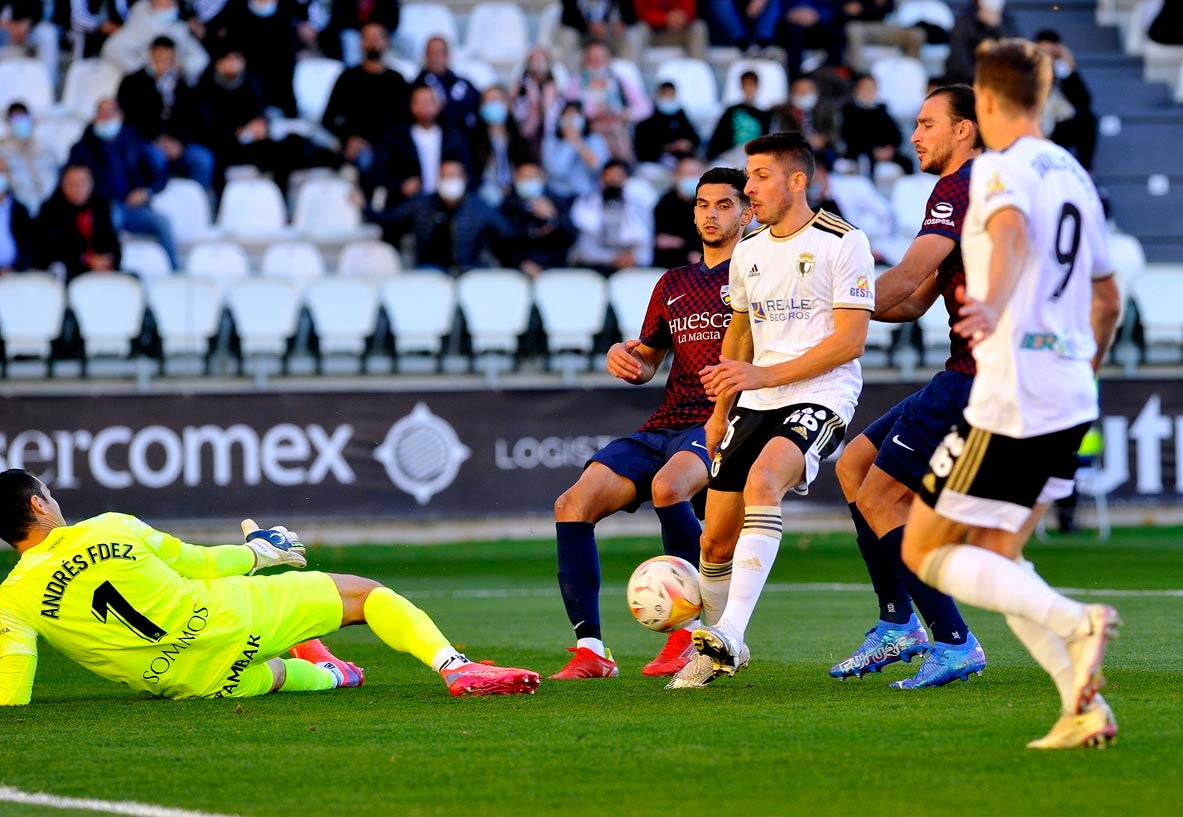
x=667 y=136
x=453 y=231
x=615 y=231
x=129 y=47
x=676 y=242
x=15 y=228
x=126 y=173
x=269 y=34
x=572 y=155
x=74 y=232
x=535 y=97
x=1069 y=120
x=610 y=101
x=343 y=37
x=541 y=231
x=351 y=114
x=741 y=122
x=32 y=165
x=868 y=129
x=809 y=112
x=408 y=162
x=497 y=146
x=979 y=20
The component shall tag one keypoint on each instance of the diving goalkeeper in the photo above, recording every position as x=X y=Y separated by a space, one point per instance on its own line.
x=142 y=607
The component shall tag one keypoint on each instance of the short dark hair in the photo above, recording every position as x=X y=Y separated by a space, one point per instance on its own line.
x=752 y=75
x=1016 y=70
x=667 y=86
x=961 y=104
x=613 y=163
x=1047 y=35
x=789 y=147
x=17 y=487
x=726 y=175
x=164 y=42
x=17 y=107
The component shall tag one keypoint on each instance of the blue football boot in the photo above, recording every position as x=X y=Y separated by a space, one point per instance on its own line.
x=947 y=663
x=886 y=643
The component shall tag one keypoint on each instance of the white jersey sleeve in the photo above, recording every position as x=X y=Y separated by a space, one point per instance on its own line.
x=997 y=183
x=737 y=289
x=853 y=278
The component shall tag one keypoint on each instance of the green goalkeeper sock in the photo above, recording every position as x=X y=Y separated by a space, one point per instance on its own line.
x=304 y=676
x=404 y=627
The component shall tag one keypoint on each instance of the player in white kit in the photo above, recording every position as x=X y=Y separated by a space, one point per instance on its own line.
x=1040 y=307
x=803 y=290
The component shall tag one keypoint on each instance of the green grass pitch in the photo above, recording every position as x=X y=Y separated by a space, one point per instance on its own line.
x=780 y=738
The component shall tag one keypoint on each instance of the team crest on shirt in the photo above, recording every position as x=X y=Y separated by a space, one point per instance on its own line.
x=995 y=186
x=725 y=294
x=805 y=264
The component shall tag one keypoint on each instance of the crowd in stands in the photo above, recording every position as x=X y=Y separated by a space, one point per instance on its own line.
x=571 y=162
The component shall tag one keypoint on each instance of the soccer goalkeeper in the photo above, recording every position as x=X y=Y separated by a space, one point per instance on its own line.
x=142 y=607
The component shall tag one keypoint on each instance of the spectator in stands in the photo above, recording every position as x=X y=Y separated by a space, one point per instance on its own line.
x=1167 y=27
x=539 y=221
x=32 y=166
x=866 y=24
x=232 y=108
x=667 y=136
x=810 y=24
x=536 y=98
x=810 y=113
x=676 y=242
x=149 y=20
x=979 y=20
x=741 y=122
x=611 y=102
x=408 y=163
x=163 y=109
x=94 y=21
x=453 y=231
x=15 y=228
x=367 y=101
x=672 y=23
x=126 y=174
x=343 y=37
x=745 y=24
x=869 y=132
x=572 y=155
x=267 y=32
x=23 y=28
x=615 y=231
x=73 y=233
x=498 y=147
x=1068 y=115
x=610 y=21
x=819 y=193
x=459 y=98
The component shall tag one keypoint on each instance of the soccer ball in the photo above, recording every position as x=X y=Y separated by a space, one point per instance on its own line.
x=663 y=593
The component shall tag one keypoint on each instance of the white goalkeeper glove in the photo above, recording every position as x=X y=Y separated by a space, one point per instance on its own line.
x=273 y=546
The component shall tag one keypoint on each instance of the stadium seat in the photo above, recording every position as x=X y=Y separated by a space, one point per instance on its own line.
x=31 y=309
x=774 y=84
x=496 y=306
x=109 y=309
x=862 y=204
x=903 y=83
x=631 y=72
x=698 y=92
x=26 y=80
x=1157 y=294
x=185 y=204
x=146 y=259
x=344 y=312
x=253 y=209
x=59 y=134
x=571 y=304
x=421 y=306
x=325 y=211
x=642 y=192
x=1127 y=257
x=266 y=314
x=497 y=33
x=1136 y=24
x=1161 y=63
x=375 y=259
x=481 y=74
x=419 y=22
x=408 y=68
x=297 y=260
x=934 y=333
x=88 y=81
x=934 y=12
x=909 y=199
x=188 y=311
x=629 y=291
x=313 y=83
x=221 y=261
x=549 y=20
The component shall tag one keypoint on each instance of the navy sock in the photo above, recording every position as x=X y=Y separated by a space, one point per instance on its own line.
x=938 y=610
x=579 y=576
x=680 y=531
x=894 y=604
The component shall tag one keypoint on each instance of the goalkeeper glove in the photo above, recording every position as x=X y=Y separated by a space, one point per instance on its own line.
x=273 y=546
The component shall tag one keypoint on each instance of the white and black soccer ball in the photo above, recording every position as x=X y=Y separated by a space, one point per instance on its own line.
x=663 y=593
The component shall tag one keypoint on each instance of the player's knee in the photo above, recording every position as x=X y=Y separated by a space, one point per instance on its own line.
x=669 y=491
x=869 y=500
x=765 y=486
x=850 y=475
x=572 y=507
x=279 y=674
x=354 y=591
x=716 y=549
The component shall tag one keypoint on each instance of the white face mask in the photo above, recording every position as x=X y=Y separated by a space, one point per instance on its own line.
x=805 y=102
x=451 y=189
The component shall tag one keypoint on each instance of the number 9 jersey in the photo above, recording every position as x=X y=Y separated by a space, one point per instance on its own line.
x=1034 y=372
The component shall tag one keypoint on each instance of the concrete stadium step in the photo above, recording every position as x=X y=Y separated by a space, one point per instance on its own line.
x=1144 y=146
x=1153 y=219
x=1077 y=26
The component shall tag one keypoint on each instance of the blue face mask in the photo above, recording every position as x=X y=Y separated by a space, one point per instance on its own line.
x=529 y=188
x=668 y=107
x=166 y=17
x=263 y=9
x=494 y=112
x=107 y=129
x=21 y=127
x=688 y=188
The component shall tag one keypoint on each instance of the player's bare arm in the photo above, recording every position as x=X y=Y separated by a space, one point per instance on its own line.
x=914 y=305
x=920 y=262
x=1104 y=315
x=1008 y=236
x=634 y=362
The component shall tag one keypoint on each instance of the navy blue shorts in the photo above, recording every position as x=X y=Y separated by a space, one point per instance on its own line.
x=907 y=435
x=638 y=457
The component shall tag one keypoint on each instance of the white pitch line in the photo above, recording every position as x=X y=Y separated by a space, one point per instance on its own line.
x=9 y=794
x=829 y=587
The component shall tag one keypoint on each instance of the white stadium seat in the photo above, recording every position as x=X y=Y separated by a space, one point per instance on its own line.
x=1126 y=257
x=572 y=304
x=375 y=259
x=934 y=332
x=496 y=306
x=497 y=33
x=422 y=308
x=297 y=260
x=903 y=82
x=419 y=22
x=549 y=20
x=185 y=204
x=1157 y=294
x=109 y=308
x=629 y=291
x=909 y=200
x=481 y=74
x=325 y=211
x=698 y=92
x=59 y=134
x=87 y=82
x=221 y=261
x=187 y=311
x=629 y=71
x=266 y=313
x=32 y=305
x=313 y=84
x=253 y=209
x=773 y=88
x=26 y=80
x=147 y=259
x=862 y=204
x=344 y=312
x=934 y=12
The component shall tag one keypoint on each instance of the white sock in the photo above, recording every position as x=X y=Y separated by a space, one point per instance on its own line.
x=1047 y=648
x=755 y=553
x=593 y=644
x=984 y=579
x=714 y=582
x=447 y=657
x=338 y=677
